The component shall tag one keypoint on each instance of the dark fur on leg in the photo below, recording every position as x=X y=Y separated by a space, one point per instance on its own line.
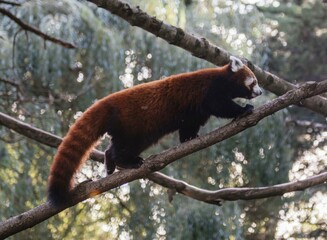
x=109 y=161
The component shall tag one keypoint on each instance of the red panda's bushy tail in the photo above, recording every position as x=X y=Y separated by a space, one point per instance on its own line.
x=73 y=151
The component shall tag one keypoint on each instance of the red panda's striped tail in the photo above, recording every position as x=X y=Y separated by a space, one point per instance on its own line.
x=73 y=151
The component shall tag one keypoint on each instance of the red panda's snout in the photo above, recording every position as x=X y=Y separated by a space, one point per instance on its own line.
x=252 y=84
x=256 y=91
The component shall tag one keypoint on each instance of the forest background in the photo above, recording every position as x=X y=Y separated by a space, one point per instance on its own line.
x=48 y=86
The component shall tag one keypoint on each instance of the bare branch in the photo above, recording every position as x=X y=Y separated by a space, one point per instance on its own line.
x=232 y=194
x=36 y=31
x=11 y=3
x=202 y=48
x=157 y=162
x=10 y=82
x=38 y=134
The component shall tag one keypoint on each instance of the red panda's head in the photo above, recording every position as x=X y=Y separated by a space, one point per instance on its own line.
x=244 y=81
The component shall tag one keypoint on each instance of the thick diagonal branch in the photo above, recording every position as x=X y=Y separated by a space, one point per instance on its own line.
x=157 y=162
x=201 y=48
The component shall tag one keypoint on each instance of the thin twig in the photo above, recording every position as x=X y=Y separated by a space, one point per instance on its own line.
x=36 y=31
x=10 y=82
x=14 y=48
x=11 y=3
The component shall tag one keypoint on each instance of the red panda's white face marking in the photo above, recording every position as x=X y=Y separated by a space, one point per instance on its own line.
x=252 y=84
x=249 y=81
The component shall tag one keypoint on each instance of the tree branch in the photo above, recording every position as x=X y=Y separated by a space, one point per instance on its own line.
x=202 y=48
x=10 y=82
x=36 y=31
x=11 y=3
x=232 y=194
x=39 y=135
x=159 y=161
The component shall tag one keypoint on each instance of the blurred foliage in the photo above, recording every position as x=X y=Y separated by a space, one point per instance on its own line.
x=297 y=33
x=50 y=85
x=296 y=50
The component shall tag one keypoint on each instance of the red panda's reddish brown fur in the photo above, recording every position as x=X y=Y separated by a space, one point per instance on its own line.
x=137 y=117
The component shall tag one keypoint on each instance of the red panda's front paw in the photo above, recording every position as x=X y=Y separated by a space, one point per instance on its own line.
x=248 y=109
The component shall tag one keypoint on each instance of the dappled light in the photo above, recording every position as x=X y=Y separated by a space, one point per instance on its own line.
x=57 y=58
x=303 y=219
x=312 y=161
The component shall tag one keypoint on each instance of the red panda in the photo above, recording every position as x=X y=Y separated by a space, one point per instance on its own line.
x=138 y=117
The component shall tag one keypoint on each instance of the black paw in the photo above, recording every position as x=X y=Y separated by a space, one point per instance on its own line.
x=188 y=138
x=136 y=163
x=110 y=166
x=248 y=109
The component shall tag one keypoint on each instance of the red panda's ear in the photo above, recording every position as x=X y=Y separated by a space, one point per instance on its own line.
x=235 y=64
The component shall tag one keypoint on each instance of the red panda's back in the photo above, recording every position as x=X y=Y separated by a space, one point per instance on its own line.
x=150 y=106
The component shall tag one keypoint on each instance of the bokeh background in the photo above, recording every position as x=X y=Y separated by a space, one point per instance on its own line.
x=51 y=86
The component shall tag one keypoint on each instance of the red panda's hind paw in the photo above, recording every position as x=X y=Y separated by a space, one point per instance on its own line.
x=110 y=166
x=135 y=163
